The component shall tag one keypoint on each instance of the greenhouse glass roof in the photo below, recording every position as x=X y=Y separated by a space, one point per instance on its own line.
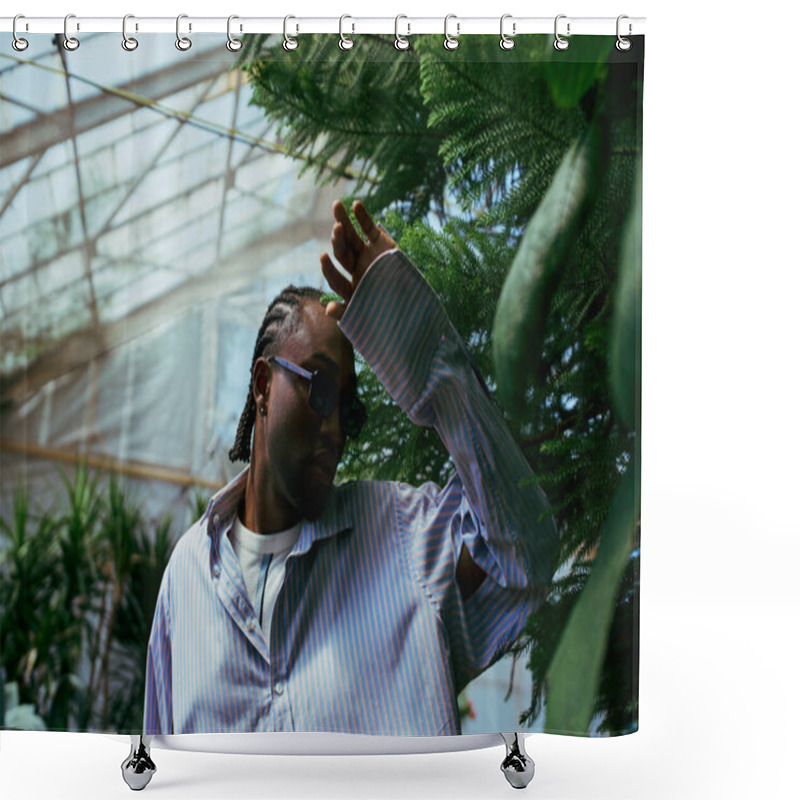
x=130 y=179
x=148 y=213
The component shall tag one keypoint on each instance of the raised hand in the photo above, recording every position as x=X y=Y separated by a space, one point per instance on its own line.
x=353 y=252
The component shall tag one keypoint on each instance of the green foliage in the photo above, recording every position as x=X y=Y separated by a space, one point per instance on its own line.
x=360 y=118
x=626 y=335
x=496 y=118
x=571 y=73
x=78 y=589
x=521 y=317
x=615 y=702
x=32 y=629
x=140 y=558
x=574 y=674
x=80 y=564
x=459 y=151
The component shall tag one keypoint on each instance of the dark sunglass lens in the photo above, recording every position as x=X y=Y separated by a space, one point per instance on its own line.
x=353 y=417
x=323 y=393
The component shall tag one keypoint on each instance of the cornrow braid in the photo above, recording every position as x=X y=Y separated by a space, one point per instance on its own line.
x=280 y=322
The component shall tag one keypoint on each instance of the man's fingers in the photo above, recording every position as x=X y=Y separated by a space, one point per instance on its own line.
x=349 y=248
x=351 y=236
x=341 y=248
x=335 y=310
x=371 y=230
x=336 y=280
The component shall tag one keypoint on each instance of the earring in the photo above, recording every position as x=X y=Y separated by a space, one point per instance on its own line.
x=262 y=410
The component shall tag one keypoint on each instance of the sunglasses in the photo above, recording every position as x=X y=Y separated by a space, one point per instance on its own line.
x=323 y=394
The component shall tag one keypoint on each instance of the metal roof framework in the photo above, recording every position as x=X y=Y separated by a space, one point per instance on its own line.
x=137 y=189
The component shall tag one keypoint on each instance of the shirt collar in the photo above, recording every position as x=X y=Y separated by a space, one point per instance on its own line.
x=336 y=517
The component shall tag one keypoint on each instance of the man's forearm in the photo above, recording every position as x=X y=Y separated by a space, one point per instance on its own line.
x=400 y=327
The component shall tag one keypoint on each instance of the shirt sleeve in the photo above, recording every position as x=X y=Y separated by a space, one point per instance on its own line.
x=158 y=682
x=492 y=506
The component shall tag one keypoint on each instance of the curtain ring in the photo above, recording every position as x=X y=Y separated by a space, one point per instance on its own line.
x=234 y=45
x=19 y=44
x=623 y=44
x=181 y=42
x=506 y=42
x=288 y=42
x=345 y=43
x=128 y=42
x=400 y=42
x=560 y=42
x=450 y=42
x=70 y=42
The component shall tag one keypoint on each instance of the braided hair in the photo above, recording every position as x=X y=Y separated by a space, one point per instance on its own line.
x=280 y=322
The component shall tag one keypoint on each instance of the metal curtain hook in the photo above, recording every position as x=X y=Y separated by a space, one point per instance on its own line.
x=19 y=44
x=506 y=42
x=70 y=42
x=182 y=42
x=623 y=44
x=450 y=42
x=234 y=45
x=400 y=42
x=345 y=43
x=561 y=43
x=288 y=42
x=128 y=42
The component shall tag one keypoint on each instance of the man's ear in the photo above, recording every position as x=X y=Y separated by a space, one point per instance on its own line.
x=261 y=380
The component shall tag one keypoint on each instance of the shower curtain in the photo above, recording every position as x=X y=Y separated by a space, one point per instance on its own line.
x=480 y=572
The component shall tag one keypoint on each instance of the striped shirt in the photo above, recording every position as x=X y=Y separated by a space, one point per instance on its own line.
x=370 y=633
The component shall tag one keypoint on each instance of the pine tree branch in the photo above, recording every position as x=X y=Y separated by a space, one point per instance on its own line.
x=512 y=109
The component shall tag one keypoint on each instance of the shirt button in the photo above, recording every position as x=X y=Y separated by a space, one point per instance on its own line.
x=278 y=688
x=252 y=624
x=216 y=519
x=216 y=570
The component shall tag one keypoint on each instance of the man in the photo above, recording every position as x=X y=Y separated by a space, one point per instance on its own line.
x=295 y=604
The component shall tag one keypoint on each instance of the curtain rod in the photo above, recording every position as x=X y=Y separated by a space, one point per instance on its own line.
x=402 y=25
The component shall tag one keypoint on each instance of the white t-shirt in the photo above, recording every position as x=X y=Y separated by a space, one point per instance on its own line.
x=263 y=560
